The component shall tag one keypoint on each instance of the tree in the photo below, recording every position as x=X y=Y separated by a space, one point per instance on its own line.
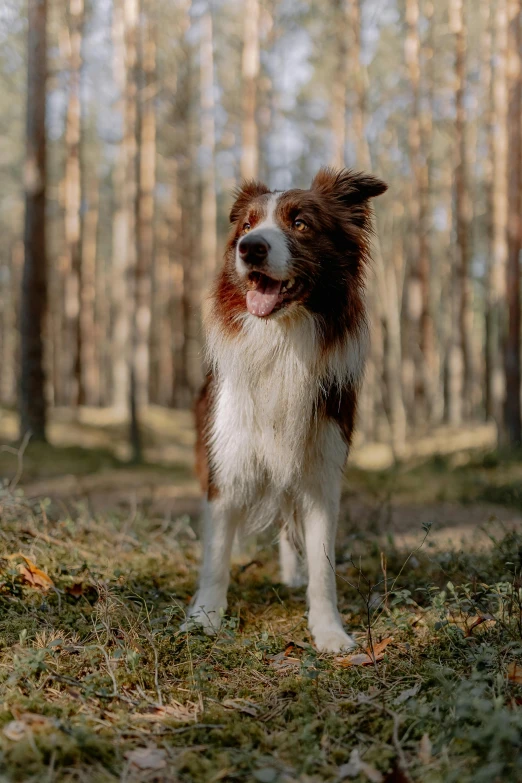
x=420 y=337
x=460 y=354
x=208 y=144
x=34 y=280
x=250 y=73
x=512 y=412
x=72 y=202
x=339 y=86
x=496 y=19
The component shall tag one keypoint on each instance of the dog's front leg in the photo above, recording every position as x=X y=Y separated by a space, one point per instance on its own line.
x=210 y=601
x=320 y=512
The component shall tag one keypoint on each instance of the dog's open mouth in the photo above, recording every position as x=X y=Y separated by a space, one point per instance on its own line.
x=266 y=294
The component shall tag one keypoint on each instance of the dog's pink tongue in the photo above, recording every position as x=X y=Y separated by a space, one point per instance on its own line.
x=263 y=299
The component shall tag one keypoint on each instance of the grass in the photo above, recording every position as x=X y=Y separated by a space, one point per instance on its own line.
x=98 y=684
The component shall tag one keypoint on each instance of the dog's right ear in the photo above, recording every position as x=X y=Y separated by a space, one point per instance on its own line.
x=243 y=195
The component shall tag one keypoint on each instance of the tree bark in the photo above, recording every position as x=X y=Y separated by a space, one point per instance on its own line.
x=145 y=216
x=34 y=282
x=497 y=208
x=250 y=72
x=512 y=411
x=460 y=364
x=208 y=144
x=72 y=203
x=90 y=359
x=339 y=86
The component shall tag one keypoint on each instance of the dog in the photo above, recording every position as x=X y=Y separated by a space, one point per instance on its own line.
x=286 y=340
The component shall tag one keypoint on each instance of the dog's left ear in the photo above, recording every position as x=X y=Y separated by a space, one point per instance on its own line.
x=349 y=187
x=244 y=194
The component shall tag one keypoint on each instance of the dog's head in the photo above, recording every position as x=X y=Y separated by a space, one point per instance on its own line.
x=300 y=247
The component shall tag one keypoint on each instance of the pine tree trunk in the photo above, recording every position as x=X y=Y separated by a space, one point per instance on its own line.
x=72 y=203
x=145 y=205
x=34 y=282
x=339 y=86
x=90 y=359
x=460 y=364
x=120 y=289
x=208 y=143
x=382 y=303
x=250 y=73
x=497 y=208
x=512 y=414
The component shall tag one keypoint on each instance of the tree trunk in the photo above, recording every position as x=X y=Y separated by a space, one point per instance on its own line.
x=34 y=281
x=461 y=351
x=120 y=291
x=208 y=143
x=420 y=338
x=250 y=73
x=382 y=303
x=339 y=86
x=72 y=203
x=497 y=204
x=512 y=412
x=145 y=215
x=90 y=359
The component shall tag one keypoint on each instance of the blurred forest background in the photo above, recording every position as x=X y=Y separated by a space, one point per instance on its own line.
x=142 y=115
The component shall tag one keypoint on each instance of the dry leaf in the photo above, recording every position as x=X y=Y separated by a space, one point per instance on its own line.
x=147 y=758
x=182 y=713
x=15 y=730
x=425 y=749
x=241 y=705
x=25 y=722
x=365 y=659
x=514 y=672
x=34 y=576
x=356 y=766
x=282 y=662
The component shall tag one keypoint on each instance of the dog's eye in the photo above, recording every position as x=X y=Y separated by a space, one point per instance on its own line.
x=300 y=225
x=246 y=228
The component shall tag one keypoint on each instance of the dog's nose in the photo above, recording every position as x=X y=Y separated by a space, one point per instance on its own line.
x=253 y=249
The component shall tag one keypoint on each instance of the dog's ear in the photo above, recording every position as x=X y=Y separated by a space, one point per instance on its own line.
x=243 y=195
x=348 y=187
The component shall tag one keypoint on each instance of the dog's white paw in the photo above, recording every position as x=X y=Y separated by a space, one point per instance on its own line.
x=331 y=638
x=206 y=616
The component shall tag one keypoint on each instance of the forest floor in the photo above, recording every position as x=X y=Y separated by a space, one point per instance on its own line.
x=98 y=561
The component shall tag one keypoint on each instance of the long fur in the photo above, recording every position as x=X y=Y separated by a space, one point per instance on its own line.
x=276 y=417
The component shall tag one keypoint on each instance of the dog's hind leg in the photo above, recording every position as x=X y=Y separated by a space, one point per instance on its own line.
x=291 y=567
x=210 y=601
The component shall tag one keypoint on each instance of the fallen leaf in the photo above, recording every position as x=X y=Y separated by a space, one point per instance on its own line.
x=34 y=576
x=425 y=749
x=147 y=758
x=486 y=620
x=182 y=713
x=356 y=766
x=25 y=723
x=282 y=662
x=15 y=730
x=241 y=705
x=365 y=659
x=292 y=646
x=514 y=672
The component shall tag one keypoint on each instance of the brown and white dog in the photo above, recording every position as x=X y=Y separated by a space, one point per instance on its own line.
x=287 y=337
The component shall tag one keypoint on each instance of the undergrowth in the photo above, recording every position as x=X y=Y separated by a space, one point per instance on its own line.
x=98 y=684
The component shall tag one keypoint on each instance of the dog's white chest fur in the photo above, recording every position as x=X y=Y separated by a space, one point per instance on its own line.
x=264 y=425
